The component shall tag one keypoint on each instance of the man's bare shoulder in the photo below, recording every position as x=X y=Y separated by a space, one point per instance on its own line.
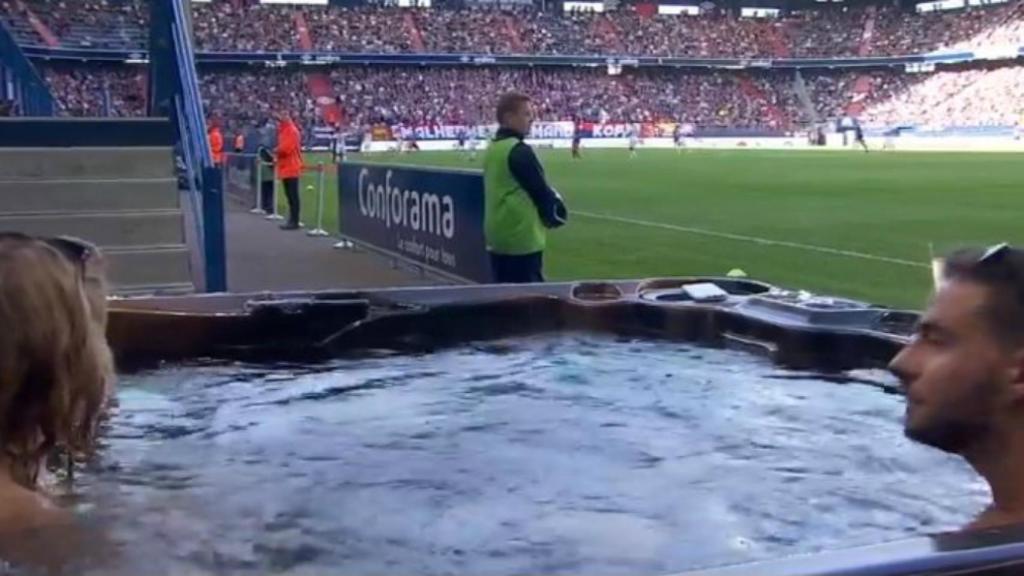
x=993 y=517
x=34 y=531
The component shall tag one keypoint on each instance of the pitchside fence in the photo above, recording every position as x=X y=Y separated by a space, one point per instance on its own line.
x=430 y=219
x=244 y=175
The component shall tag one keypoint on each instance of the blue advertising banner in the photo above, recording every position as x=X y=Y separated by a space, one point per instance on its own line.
x=317 y=59
x=427 y=216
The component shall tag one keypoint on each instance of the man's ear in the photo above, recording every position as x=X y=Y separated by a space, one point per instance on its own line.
x=1016 y=374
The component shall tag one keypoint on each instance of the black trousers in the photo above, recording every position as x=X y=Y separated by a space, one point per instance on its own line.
x=291 y=193
x=520 y=269
x=267 y=196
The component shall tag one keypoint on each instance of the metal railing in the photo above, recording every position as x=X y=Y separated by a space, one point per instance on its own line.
x=185 y=103
x=20 y=83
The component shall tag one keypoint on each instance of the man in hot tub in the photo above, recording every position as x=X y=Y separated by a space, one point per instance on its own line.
x=963 y=373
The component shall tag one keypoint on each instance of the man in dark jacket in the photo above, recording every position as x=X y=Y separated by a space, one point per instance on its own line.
x=519 y=205
x=267 y=144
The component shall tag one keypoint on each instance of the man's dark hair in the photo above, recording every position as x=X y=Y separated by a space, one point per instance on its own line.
x=1000 y=269
x=510 y=103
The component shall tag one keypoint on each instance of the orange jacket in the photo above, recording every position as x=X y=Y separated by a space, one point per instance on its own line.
x=289 y=150
x=216 y=146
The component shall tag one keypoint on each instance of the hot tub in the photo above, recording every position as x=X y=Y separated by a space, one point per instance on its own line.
x=599 y=428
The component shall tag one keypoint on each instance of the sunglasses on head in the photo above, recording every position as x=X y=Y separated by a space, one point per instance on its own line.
x=995 y=253
x=76 y=250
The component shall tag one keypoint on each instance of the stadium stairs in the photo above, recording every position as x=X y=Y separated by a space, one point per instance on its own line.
x=38 y=25
x=318 y=83
x=779 y=40
x=863 y=86
x=111 y=182
x=415 y=36
x=512 y=33
x=804 y=97
x=752 y=91
x=603 y=28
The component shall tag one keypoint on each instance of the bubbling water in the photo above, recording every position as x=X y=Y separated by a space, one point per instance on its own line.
x=562 y=454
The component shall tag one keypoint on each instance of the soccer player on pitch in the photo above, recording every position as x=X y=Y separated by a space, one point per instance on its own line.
x=367 y=142
x=634 y=139
x=680 y=138
x=474 y=144
x=858 y=137
x=576 y=142
x=338 y=145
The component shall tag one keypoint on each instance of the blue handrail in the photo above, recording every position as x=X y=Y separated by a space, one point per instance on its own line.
x=22 y=84
x=178 y=91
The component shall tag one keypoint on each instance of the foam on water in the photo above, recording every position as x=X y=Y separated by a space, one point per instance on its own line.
x=558 y=454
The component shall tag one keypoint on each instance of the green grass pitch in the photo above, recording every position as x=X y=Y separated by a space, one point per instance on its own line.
x=839 y=223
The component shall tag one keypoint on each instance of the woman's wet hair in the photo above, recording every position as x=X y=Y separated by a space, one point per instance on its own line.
x=55 y=366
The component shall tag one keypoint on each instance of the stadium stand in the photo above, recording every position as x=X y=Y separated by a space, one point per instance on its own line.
x=92 y=23
x=899 y=32
x=241 y=95
x=98 y=91
x=402 y=95
x=360 y=30
x=256 y=28
x=973 y=97
x=830 y=31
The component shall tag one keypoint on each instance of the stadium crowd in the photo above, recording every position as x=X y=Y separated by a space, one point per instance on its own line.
x=631 y=29
x=973 y=97
x=377 y=30
x=981 y=96
x=409 y=95
x=89 y=23
x=255 y=28
x=243 y=99
x=98 y=90
x=412 y=95
x=406 y=95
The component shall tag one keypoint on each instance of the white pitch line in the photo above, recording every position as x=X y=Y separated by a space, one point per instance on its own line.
x=752 y=239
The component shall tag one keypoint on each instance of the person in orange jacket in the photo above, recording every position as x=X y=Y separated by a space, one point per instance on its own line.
x=289 y=165
x=216 y=142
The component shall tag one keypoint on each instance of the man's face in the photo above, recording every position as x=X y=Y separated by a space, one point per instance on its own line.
x=521 y=119
x=957 y=374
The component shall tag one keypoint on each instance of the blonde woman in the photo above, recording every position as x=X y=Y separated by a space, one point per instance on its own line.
x=55 y=373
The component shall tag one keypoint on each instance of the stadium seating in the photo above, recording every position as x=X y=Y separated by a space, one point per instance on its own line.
x=241 y=98
x=99 y=91
x=771 y=100
x=978 y=97
x=449 y=95
x=830 y=31
x=108 y=24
